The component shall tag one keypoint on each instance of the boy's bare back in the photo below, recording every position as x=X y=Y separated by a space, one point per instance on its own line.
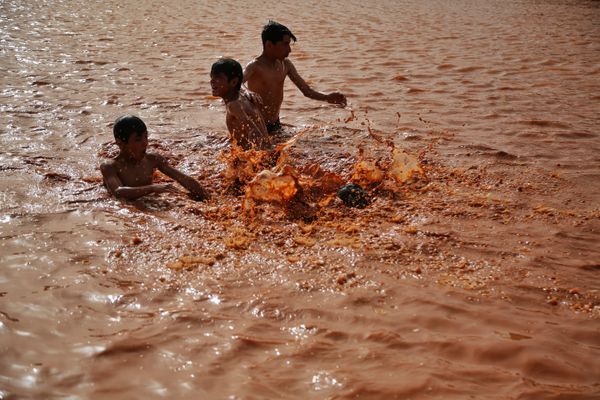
x=246 y=124
x=244 y=118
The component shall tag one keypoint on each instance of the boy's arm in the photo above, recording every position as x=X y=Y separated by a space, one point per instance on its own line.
x=184 y=180
x=334 y=98
x=249 y=71
x=116 y=188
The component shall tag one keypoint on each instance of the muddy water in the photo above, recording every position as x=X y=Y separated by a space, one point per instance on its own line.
x=477 y=280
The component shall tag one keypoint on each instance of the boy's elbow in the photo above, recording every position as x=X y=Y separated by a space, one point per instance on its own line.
x=307 y=92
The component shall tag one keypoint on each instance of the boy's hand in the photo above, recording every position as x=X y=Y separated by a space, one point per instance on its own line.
x=199 y=194
x=336 y=98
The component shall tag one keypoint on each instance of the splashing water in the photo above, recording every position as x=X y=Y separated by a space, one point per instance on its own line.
x=299 y=189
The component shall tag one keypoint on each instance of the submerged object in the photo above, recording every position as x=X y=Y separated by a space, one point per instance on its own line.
x=353 y=195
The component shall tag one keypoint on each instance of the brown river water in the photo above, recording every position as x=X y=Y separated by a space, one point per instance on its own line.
x=477 y=279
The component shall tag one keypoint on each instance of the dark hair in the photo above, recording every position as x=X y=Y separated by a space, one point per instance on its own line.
x=229 y=67
x=274 y=32
x=127 y=125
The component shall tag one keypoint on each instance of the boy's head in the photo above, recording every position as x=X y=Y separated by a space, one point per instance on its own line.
x=128 y=125
x=274 y=32
x=131 y=136
x=226 y=74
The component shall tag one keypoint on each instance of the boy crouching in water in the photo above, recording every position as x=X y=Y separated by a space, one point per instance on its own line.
x=244 y=118
x=129 y=174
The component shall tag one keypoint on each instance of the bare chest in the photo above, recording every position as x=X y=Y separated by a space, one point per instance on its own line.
x=272 y=74
x=138 y=174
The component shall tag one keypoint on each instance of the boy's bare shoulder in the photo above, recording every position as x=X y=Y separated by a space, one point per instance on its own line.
x=252 y=62
x=155 y=158
x=289 y=65
x=251 y=67
x=235 y=107
x=247 y=100
x=252 y=97
x=108 y=165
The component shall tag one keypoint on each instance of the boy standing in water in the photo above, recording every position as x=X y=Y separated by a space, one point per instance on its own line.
x=244 y=119
x=129 y=174
x=266 y=74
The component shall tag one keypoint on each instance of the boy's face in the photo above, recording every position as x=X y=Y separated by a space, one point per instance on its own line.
x=221 y=85
x=282 y=48
x=136 y=146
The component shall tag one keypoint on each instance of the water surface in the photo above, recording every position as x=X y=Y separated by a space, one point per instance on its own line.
x=480 y=280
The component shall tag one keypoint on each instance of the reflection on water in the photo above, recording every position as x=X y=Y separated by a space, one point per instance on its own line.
x=476 y=277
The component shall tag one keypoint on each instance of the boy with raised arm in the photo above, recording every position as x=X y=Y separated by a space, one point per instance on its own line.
x=129 y=175
x=266 y=74
x=244 y=118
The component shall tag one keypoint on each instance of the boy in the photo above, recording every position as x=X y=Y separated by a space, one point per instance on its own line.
x=266 y=74
x=129 y=174
x=244 y=119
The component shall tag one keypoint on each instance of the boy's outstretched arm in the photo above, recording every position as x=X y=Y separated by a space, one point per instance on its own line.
x=333 y=98
x=116 y=188
x=184 y=180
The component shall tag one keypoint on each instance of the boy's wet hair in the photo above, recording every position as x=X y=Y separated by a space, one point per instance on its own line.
x=274 y=32
x=229 y=67
x=128 y=125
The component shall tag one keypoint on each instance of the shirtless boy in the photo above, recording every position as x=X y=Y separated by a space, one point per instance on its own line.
x=129 y=174
x=266 y=74
x=244 y=119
